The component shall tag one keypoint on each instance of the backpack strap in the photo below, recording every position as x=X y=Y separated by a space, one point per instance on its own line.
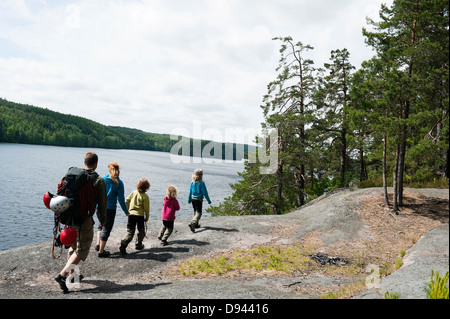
x=56 y=230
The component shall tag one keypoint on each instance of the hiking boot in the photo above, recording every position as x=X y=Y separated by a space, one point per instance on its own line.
x=97 y=248
x=164 y=242
x=139 y=246
x=191 y=226
x=197 y=226
x=104 y=254
x=123 y=250
x=61 y=280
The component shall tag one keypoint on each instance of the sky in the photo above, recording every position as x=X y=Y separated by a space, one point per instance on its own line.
x=198 y=68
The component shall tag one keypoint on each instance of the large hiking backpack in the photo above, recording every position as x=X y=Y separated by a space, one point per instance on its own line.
x=77 y=185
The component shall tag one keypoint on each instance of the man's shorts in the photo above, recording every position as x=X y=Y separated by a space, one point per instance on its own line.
x=84 y=239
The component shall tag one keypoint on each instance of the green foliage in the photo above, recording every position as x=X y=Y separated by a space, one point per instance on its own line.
x=283 y=259
x=406 y=88
x=27 y=124
x=33 y=125
x=391 y=295
x=253 y=194
x=386 y=124
x=438 y=288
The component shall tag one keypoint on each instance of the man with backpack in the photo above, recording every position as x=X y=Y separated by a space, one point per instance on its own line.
x=88 y=196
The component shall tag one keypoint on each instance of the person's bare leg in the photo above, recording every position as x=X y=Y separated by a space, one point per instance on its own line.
x=98 y=237
x=73 y=260
x=62 y=276
x=102 y=246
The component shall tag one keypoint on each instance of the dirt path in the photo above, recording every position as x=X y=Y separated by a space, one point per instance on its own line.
x=352 y=225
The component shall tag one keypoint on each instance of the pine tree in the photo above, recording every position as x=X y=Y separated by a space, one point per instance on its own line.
x=332 y=99
x=405 y=33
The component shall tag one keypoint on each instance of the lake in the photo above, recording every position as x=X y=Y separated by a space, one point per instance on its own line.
x=27 y=172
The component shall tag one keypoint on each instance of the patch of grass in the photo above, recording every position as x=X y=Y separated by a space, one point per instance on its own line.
x=392 y=295
x=398 y=263
x=216 y=266
x=284 y=259
x=281 y=259
x=346 y=291
x=399 y=260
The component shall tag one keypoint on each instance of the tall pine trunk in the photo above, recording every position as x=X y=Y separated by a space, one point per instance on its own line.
x=401 y=168
x=343 y=168
x=386 y=198
x=362 y=165
x=396 y=188
x=279 y=205
x=279 y=202
x=405 y=116
x=301 y=177
x=344 y=165
x=301 y=191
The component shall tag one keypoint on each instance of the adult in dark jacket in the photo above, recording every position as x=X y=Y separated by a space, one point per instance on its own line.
x=80 y=249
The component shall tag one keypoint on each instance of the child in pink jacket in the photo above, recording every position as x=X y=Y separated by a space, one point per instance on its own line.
x=170 y=206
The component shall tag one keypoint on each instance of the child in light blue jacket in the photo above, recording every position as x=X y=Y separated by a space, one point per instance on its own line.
x=196 y=193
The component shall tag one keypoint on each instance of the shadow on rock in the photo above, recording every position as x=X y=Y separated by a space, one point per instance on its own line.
x=433 y=208
x=170 y=249
x=106 y=286
x=192 y=242
x=225 y=230
x=147 y=254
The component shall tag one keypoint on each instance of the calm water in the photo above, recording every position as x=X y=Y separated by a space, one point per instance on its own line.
x=28 y=171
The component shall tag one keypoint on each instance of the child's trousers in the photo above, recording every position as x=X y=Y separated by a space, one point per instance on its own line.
x=133 y=222
x=197 y=205
x=166 y=230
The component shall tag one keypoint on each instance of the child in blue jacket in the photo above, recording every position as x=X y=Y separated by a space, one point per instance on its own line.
x=196 y=193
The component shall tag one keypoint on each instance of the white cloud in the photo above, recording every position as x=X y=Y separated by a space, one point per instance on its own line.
x=158 y=65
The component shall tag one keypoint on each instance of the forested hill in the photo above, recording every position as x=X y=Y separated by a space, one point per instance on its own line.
x=20 y=123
